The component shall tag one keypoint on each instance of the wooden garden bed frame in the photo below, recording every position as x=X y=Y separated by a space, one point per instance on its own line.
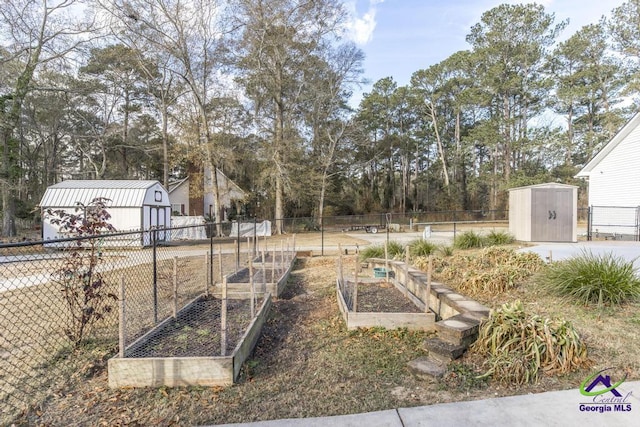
x=185 y=371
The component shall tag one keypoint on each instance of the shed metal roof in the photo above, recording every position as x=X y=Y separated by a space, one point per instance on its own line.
x=122 y=193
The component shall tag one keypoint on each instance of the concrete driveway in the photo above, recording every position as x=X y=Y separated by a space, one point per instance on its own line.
x=629 y=251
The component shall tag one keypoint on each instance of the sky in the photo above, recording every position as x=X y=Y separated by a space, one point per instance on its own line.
x=400 y=37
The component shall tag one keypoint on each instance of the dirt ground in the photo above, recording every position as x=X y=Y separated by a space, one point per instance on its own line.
x=306 y=364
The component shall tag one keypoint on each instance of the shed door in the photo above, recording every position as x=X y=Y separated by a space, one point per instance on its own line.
x=552 y=214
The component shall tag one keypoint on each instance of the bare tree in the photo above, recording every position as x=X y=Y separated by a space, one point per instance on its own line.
x=36 y=32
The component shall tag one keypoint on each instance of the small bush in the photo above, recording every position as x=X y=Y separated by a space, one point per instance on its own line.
x=422 y=247
x=592 y=279
x=497 y=238
x=518 y=346
x=375 y=251
x=394 y=250
x=469 y=240
x=445 y=250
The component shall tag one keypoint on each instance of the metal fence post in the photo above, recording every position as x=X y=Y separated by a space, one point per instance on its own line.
x=154 y=237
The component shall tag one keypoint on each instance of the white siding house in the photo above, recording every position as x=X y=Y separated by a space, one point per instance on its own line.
x=195 y=196
x=614 y=182
x=133 y=205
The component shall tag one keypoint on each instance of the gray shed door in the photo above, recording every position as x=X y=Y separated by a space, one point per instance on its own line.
x=552 y=215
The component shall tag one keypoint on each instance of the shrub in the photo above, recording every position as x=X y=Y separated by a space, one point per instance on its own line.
x=82 y=284
x=496 y=238
x=469 y=240
x=372 y=251
x=592 y=279
x=394 y=250
x=422 y=247
x=518 y=345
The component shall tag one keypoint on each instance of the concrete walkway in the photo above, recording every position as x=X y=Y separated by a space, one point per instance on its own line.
x=554 y=408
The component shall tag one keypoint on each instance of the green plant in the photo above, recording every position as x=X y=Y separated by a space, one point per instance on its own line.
x=445 y=250
x=469 y=240
x=518 y=345
x=592 y=279
x=374 y=251
x=394 y=250
x=83 y=286
x=422 y=247
x=497 y=238
x=463 y=377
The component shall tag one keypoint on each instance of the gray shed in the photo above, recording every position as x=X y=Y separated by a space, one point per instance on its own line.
x=134 y=205
x=544 y=213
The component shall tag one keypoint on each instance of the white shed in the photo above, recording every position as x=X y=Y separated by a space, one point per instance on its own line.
x=133 y=205
x=614 y=174
x=544 y=213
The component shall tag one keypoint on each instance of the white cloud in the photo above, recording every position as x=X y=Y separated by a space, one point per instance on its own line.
x=360 y=28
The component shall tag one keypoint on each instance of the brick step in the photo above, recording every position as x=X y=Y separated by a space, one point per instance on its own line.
x=425 y=368
x=461 y=329
x=443 y=351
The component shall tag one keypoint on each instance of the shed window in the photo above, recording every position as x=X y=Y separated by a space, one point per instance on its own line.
x=158 y=196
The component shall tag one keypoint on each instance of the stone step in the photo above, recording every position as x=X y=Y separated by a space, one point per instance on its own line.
x=460 y=329
x=425 y=368
x=443 y=351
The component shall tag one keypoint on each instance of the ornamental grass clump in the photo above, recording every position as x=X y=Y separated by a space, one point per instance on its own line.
x=469 y=240
x=394 y=250
x=519 y=346
x=497 y=238
x=592 y=279
x=421 y=247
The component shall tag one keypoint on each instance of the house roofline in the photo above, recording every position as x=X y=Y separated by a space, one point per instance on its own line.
x=604 y=152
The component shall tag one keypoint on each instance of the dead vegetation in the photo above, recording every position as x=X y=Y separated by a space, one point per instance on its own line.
x=307 y=364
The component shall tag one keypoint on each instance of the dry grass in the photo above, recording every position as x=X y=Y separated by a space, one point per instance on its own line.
x=307 y=364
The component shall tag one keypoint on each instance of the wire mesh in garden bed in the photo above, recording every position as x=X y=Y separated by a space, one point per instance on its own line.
x=197 y=330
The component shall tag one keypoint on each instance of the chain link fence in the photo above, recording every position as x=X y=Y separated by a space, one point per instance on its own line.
x=61 y=300
x=614 y=222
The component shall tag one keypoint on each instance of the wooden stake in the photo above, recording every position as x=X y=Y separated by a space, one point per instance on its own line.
x=121 y=329
x=428 y=297
x=386 y=259
x=282 y=255
x=355 y=290
x=550 y=257
x=253 y=291
x=207 y=280
x=264 y=276
x=406 y=270
x=273 y=266
x=223 y=319
x=294 y=244
x=175 y=287
x=340 y=266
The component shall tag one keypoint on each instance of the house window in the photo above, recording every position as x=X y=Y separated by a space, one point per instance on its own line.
x=177 y=208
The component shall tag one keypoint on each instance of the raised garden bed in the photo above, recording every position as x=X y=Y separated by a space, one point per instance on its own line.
x=265 y=280
x=188 y=350
x=380 y=303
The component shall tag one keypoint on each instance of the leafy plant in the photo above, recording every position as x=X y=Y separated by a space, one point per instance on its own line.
x=394 y=250
x=518 y=345
x=372 y=251
x=422 y=247
x=468 y=240
x=445 y=250
x=496 y=238
x=592 y=279
x=82 y=284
